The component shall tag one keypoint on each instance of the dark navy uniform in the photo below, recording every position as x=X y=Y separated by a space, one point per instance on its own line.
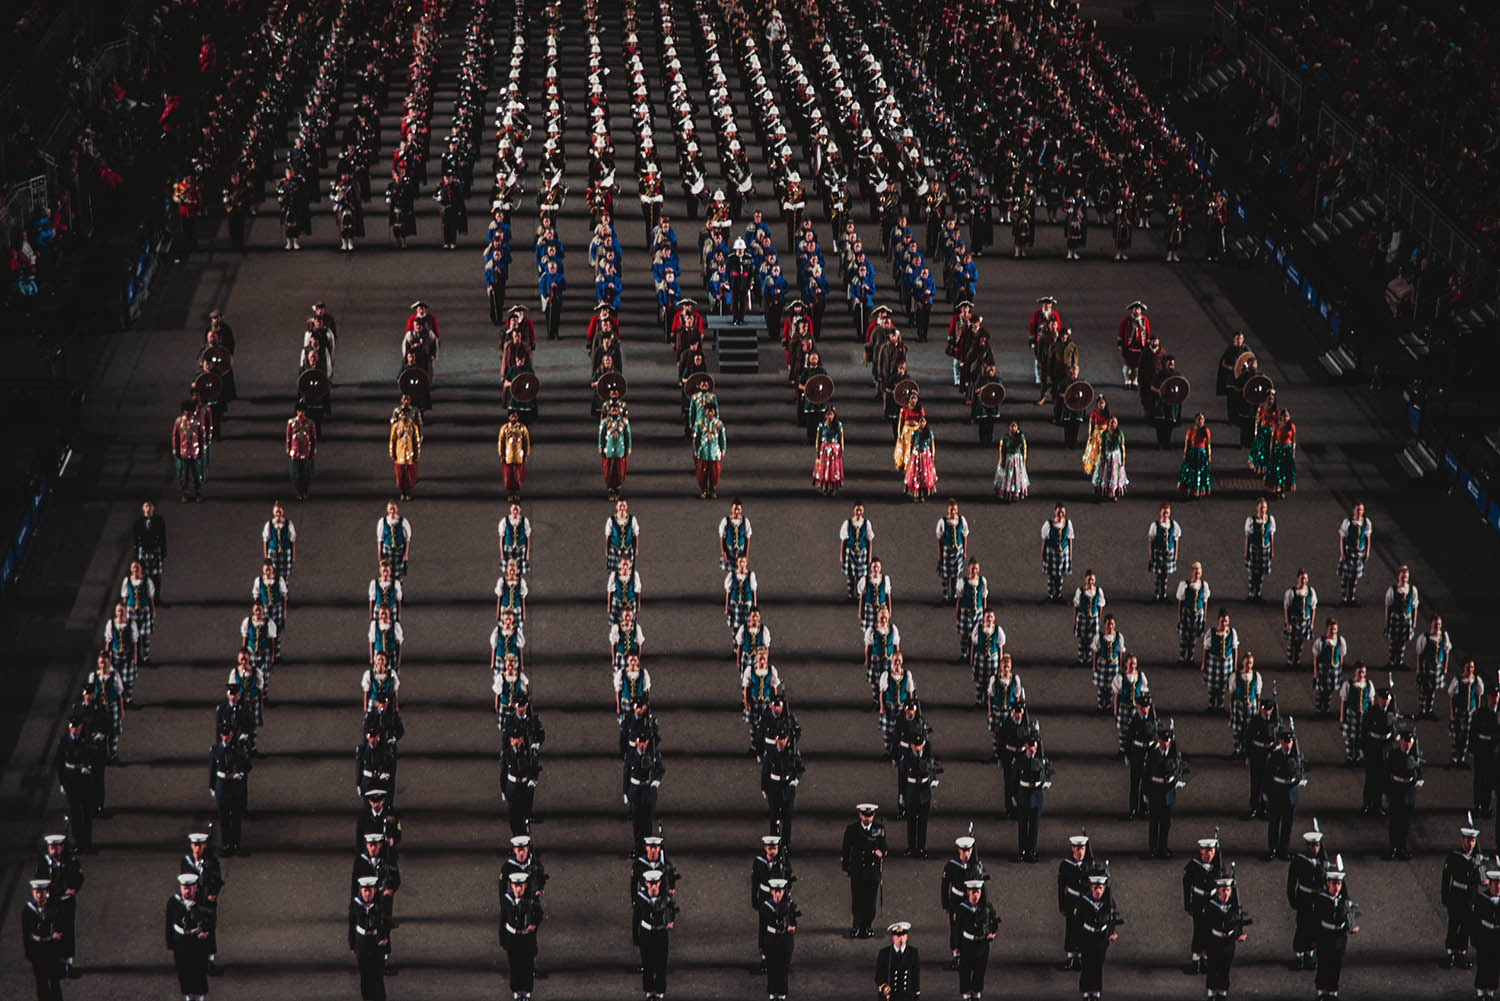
x=1403 y=776
x=862 y=859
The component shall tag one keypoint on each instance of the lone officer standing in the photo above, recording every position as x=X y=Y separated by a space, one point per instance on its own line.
x=919 y=776
x=189 y=928
x=1032 y=774
x=369 y=939
x=862 y=859
x=1286 y=774
x=778 y=921
x=1403 y=777
x=520 y=768
x=77 y=759
x=898 y=968
x=520 y=916
x=1162 y=775
x=977 y=926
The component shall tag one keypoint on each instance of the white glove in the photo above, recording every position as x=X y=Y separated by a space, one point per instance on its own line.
x=625 y=798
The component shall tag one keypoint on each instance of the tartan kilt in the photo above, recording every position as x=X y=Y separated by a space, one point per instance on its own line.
x=1057 y=562
x=1163 y=562
x=1122 y=720
x=125 y=666
x=984 y=666
x=878 y=665
x=1397 y=629
x=1300 y=629
x=150 y=560
x=1258 y=562
x=516 y=553
x=968 y=617
x=1327 y=679
x=612 y=554
x=281 y=559
x=261 y=657
x=951 y=564
x=1458 y=735
x=277 y=614
x=1240 y=714
x=1217 y=671
x=856 y=562
x=143 y=619
x=738 y=615
x=1349 y=730
x=1351 y=567
x=734 y=554
x=888 y=721
x=398 y=566
x=1104 y=672
x=757 y=707
x=1192 y=624
x=616 y=606
x=867 y=613
x=1085 y=627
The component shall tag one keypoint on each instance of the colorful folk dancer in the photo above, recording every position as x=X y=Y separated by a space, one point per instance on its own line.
x=1057 y=551
x=1260 y=547
x=1433 y=649
x=1465 y=696
x=622 y=590
x=1401 y=603
x=393 y=540
x=896 y=687
x=614 y=446
x=952 y=534
x=1192 y=612
x=1244 y=698
x=734 y=536
x=1299 y=609
x=1011 y=480
x=1195 y=476
x=882 y=644
x=514 y=447
x=122 y=643
x=270 y=590
x=741 y=591
x=405 y=448
x=828 y=457
x=514 y=533
x=874 y=594
x=1088 y=604
x=1356 y=695
x=971 y=595
x=1109 y=475
x=278 y=542
x=1162 y=540
x=1092 y=448
x=856 y=536
x=1328 y=653
x=511 y=592
x=1281 y=474
x=750 y=639
x=1220 y=651
x=1259 y=457
x=138 y=593
x=921 y=477
x=1107 y=649
x=1129 y=690
x=986 y=650
x=625 y=640
x=911 y=416
x=1354 y=550
x=622 y=536
x=759 y=681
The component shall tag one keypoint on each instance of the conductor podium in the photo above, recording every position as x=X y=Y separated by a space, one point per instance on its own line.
x=737 y=344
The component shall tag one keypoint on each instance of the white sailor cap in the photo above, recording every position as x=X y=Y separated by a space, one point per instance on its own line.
x=652 y=875
x=1224 y=881
x=653 y=840
x=520 y=841
x=55 y=839
x=867 y=807
x=1336 y=871
x=770 y=839
x=1099 y=877
x=964 y=843
x=1469 y=832
x=197 y=838
x=973 y=884
x=368 y=880
x=1078 y=840
x=373 y=837
x=187 y=879
x=899 y=928
x=776 y=884
x=518 y=877
x=41 y=884
x=1312 y=837
x=1208 y=842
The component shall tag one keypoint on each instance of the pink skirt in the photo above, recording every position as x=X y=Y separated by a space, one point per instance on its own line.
x=921 y=474
x=828 y=468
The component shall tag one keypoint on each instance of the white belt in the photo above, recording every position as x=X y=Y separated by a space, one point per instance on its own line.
x=971 y=937
x=1028 y=785
x=1304 y=888
x=774 y=930
x=775 y=777
x=1459 y=886
x=1223 y=934
x=1331 y=927
x=635 y=781
x=179 y=929
x=1282 y=781
x=511 y=778
x=954 y=889
x=510 y=929
x=765 y=888
x=363 y=930
x=648 y=926
x=1488 y=924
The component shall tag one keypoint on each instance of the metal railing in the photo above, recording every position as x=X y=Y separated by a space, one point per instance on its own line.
x=19 y=204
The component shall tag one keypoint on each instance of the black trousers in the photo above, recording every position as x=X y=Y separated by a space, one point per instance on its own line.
x=522 y=801
x=1160 y=828
x=1030 y=821
x=82 y=805
x=1484 y=775
x=1137 y=769
x=554 y=320
x=973 y=957
x=1279 y=825
x=497 y=302
x=48 y=972
x=778 y=949
x=231 y=797
x=1070 y=936
x=1094 y=949
x=1374 y=780
x=862 y=897
x=1220 y=959
x=1398 y=824
x=924 y=320
x=917 y=814
x=1458 y=928
x=522 y=969
x=192 y=969
x=1330 y=951
x=780 y=818
x=654 y=962
x=1257 y=761
x=642 y=814
x=1303 y=940
x=372 y=974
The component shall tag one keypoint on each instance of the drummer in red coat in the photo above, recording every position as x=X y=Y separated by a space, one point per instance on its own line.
x=1132 y=337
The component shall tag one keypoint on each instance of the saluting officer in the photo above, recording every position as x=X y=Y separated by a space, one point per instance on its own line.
x=520 y=769
x=60 y=867
x=201 y=862
x=520 y=917
x=1460 y=884
x=862 y=859
x=1286 y=774
x=1033 y=777
x=1260 y=740
x=919 y=776
x=77 y=759
x=777 y=917
x=369 y=938
x=655 y=914
x=977 y=926
x=189 y=927
x=1162 y=775
x=898 y=968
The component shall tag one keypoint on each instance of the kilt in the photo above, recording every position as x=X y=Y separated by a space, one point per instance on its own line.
x=968 y=618
x=1163 y=561
x=1217 y=671
x=281 y=559
x=143 y=619
x=150 y=560
x=1351 y=567
x=516 y=552
x=879 y=663
x=985 y=664
x=856 y=562
x=1458 y=736
x=1397 y=633
x=1122 y=722
x=1104 y=672
x=950 y=565
x=1057 y=562
x=1325 y=682
x=126 y=666
x=1428 y=682
x=867 y=614
x=1240 y=715
x=1349 y=728
x=1300 y=629
x=1258 y=561
x=612 y=554
x=738 y=615
x=1190 y=628
x=389 y=554
x=617 y=604
x=1085 y=627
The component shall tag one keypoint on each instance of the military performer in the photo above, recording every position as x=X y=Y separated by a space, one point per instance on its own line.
x=1162 y=776
x=1486 y=934
x=1098 y=918
x=1333 y=920
x=919 y=773
x=781 y=771
x=898 y=968
x=523 y=858
x=961 y=867
x=1136 y=723
x=771 y=863
x=856 y=538
x=1304 y=881
x=862 y=860
x=1224 y=924
x=655 y=914
x=59 y=865
x=514 y=446
x=1377 y=729
x=369 y=938
x=377 y=861
x=1403 y=777
x=1199 y=878
x=777 y=917
x=1286 y=774
x=189 y=927
x=149 y=538
x=1260 y=739
x=1484 y=745
x=1032 y=777
x=1072 y=886
x=201 y=861
x=78 y=759
x=228 y=779
x=643 y=772
x=379 y=818
x=1458 y=890
x=520 y=916
x=187 y=449
x=520 y=770
x=977 y=925
x=42 y=936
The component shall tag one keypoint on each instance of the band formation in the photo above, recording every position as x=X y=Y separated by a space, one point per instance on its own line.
x=868 y=117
